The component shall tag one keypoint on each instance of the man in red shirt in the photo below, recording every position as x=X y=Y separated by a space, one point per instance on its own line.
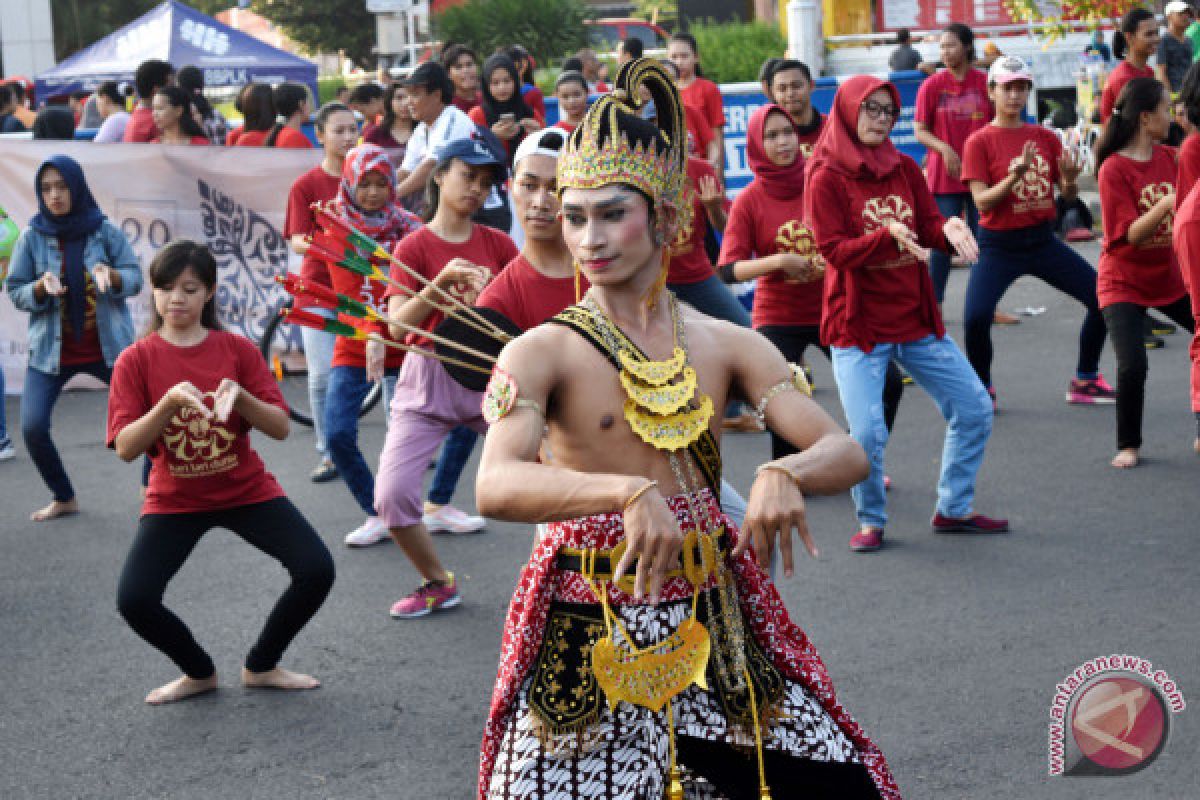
x=151 y=76
x=791 y=85
x=1140 y=29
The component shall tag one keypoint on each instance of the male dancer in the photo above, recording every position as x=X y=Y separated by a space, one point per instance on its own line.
x=607 y=631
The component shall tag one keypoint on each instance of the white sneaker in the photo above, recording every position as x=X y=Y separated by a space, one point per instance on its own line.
x=8 y=452
x=373 y=531
x=449 y=519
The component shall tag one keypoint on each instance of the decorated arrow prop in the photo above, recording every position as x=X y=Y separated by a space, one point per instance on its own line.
x=342 y=245
x=307 y=319
x=308 y=293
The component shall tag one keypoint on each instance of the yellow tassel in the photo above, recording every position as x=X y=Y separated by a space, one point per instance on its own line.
x=578 y=294
x=675 y=790
x=764 y=793
x=660 y=283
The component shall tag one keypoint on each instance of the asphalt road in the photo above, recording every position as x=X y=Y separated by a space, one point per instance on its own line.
x=946 y=648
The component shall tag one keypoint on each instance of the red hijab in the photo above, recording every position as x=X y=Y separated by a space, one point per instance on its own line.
x=780 y=182
x=389 y=224
x=839 y=147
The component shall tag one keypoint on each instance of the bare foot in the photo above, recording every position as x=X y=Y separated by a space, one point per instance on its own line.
x=278 y=678
x=1125 y=459
x=181 y=688
x=55 y=510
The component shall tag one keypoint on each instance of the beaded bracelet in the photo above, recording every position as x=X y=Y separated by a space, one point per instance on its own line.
x=638 y=494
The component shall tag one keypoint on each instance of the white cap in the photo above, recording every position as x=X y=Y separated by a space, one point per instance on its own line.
x=1178 y=7
x=532 y=145
x=1007 y=69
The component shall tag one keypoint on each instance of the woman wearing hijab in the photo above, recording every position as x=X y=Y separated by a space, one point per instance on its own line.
x=73 y=271
x=875 y=222
x=503 y=109
x=366 y=200
x=767 y=241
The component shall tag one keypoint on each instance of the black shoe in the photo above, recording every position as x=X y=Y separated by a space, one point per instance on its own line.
x=1154 y=343
x=324 y=472
x=1159 y=327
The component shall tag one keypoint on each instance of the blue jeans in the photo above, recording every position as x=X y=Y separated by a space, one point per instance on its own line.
x=940 y=368
x=712 y=297
x=318 y=354
x=951 y=205
x=456 y=450
x=348 y=386
x=37 y=404
x=1005 y=256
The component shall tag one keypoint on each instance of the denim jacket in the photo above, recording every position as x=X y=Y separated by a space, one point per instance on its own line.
x=35 y=254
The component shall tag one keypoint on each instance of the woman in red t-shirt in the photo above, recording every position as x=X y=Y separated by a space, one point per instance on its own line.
x=951 y=105
x=173 y=117
x=1187 y=111
x=188 y=395
x=874 y=221
x=571 y=89
x=337 y=131
x=1012 y=169
x=1186 y=234
x=455 y=255
x=700 y=93
x=292 y=109
x=256 y=103
x=367 y=201
x=767 y=241
x=1138 y=268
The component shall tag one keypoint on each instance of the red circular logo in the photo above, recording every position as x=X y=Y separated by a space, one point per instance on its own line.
x=1119 y=723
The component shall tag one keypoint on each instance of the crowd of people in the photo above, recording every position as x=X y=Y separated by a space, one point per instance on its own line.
x=608 y=240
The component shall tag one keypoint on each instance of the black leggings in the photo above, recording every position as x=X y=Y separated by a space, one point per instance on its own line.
x=734 y=773
x=1125 y=327
x=164 y=542
x=792 y=341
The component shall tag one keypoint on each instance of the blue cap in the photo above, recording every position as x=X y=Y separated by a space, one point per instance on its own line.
x=481 y=148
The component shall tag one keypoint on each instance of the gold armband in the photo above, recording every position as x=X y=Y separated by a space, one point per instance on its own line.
x=798 y=383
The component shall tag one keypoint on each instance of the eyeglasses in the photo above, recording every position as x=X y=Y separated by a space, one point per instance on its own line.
x=876 y=110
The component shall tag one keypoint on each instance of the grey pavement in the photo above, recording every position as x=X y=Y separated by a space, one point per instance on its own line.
x=946 y=648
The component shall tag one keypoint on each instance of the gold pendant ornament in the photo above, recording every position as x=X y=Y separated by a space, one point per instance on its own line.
x=670 y=432
x=665 y=399
x=655 y=373
x=653 y=675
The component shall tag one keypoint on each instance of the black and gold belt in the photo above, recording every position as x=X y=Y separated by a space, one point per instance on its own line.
x=598 y=564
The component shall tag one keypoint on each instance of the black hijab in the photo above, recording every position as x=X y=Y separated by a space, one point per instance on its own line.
x=514 y=105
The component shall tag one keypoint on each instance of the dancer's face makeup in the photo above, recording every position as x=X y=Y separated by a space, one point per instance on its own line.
x=609 y=232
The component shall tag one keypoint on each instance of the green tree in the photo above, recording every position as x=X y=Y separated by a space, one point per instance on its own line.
x=81 y=23
x=325 y=26
x=547 y=28
x=732 y=52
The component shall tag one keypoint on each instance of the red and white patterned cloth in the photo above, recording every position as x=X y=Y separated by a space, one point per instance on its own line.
x=541 y=582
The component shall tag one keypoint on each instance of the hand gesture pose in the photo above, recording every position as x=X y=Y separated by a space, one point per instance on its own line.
x=186 y=395
x=906 y=240
x=530 y=125
x=103 y=276
x=51 y=285
x=462 y=279
x=225 y=398
x=798 y=268
x=1070 y=165
x=710 y=192
x=376 y=357
x=775 y=508
x=506 y=128
x=959 y=235
x=653 y=537
x=1025 y=162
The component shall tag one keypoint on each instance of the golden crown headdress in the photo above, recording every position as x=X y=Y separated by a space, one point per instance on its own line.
x=614 y=144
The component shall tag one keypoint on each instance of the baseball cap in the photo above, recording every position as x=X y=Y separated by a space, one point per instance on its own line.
x=546 y=142
x=1178 y=7
x=1007 y=69
x=481 y=148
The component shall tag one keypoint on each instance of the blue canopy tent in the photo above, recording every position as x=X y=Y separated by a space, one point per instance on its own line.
x=180 y=35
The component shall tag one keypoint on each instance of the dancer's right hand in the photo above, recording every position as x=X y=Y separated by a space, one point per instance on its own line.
x=186 y=395
x=463 y=279
x=653 y=537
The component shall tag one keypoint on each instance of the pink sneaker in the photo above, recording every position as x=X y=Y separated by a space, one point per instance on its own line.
x=1095 y=392
x=431 y=596
x=867 y=540
x=449 y=519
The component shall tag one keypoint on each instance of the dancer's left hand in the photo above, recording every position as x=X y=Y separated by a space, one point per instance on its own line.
x=776 y=507
x=225 y=398
x=959 y=235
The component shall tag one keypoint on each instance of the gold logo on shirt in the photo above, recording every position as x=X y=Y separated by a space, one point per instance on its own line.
x=879 y=211
x=806 y=149
x=1034 y=185
x=795 y=237
x=1151 y=194
x=198 y=445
